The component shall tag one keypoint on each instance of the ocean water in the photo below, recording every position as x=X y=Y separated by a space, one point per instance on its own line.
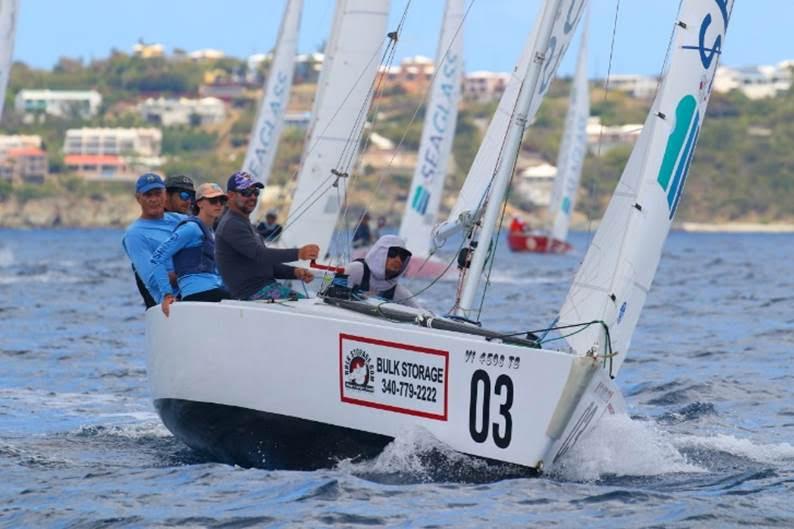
x=709 y=384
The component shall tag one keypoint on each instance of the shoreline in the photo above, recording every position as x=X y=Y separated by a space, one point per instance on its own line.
x=734 y=227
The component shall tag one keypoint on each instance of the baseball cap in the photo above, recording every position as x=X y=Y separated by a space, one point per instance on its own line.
x=209 y=190
x=179 y=181
x=241 y=180
x=148 y=181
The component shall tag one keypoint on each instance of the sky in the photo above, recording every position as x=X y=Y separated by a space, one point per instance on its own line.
x=495 y=30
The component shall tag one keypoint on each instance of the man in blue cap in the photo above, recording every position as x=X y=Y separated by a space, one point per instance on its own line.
x=249 y=269
x=147 y=233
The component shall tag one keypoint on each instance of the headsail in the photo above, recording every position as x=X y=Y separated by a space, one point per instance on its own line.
x=270 y=118
x=499 y=151
x=435 y=146
x=8 y=17
x=572 y=149
x=565 y=17
x=353 y=55
x=613 y=281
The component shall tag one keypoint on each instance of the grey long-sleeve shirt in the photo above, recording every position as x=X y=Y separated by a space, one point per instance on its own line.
x=245 y=263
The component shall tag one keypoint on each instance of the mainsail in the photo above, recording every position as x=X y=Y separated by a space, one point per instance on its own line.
x=270 y=118
x=572 y=149
x=352 y=58
x=613 y=281
x=438 y=132
x=544 y=49
x=8 y=16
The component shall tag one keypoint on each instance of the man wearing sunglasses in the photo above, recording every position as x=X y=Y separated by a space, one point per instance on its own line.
x=249 y=269
x=180 y=194
x=147 y=233
x=378 y=273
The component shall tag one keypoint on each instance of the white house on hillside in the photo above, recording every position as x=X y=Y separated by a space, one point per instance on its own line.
x=58 y=103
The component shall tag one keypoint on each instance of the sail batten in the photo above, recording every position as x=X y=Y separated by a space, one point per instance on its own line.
x=619 y=267
x=435 y=146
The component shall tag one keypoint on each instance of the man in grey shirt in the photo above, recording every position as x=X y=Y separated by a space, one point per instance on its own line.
x=249 y=269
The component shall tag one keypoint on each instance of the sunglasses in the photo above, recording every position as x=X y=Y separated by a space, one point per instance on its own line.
x=186 y=195
x=398 y=252
x=217 y=200
x=250 y=192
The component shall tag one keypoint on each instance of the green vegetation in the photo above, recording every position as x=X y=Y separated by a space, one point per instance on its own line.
x=743 y=168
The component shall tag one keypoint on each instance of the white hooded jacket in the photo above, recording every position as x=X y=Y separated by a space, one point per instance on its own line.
x=376 y=261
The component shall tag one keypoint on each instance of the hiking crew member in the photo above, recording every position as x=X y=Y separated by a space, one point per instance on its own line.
x=250 y=269
x=180 y=194
x=143 y=236
x=192 y=249
x=378 y=273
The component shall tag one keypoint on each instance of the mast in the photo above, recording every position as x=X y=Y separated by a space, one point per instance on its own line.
x=8 y=17
x=573 y=147
x=270 y=118
x=340 y=113
x=613 y=282
x=424 y=197
x=550 y=39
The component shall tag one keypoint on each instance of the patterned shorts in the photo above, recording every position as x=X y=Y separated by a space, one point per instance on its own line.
x=273 y=291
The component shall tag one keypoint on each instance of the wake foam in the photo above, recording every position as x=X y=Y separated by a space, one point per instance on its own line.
x=621 y=446
x=743 y=448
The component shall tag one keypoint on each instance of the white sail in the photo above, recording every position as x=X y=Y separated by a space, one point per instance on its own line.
x=613 y=281
x=352 y=58
x=572 y=149
x=550 y=39
x=424 y=197
x=270 y=118
x=8 y=17
x=565 y=16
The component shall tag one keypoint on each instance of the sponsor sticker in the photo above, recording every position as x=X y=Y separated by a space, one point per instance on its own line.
x=393 y=376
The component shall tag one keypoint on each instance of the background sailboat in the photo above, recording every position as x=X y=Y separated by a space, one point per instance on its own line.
x=571 y=156
x=8 y=18
x=438 y=132
x=270 y=118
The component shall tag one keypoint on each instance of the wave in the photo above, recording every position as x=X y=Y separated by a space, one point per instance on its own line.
x=6 y=257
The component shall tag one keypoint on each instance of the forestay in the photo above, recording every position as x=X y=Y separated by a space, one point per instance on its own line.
x=435 y=146
x=270 y=118
x=572 y=149
x=352 y=58
x=8 y=16
x=613 y=281
x=489 y=157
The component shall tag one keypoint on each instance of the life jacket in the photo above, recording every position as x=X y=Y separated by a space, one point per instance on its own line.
x=199 y=259
x=364 y=286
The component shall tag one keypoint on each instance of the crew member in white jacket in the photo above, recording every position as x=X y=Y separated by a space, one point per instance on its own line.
x=378 y=273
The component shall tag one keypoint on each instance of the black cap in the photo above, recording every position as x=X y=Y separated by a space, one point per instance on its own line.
x=180 y=181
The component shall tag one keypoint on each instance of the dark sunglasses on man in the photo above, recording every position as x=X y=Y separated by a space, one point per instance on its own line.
x=217 y=200
x=186 y=196
x=250 y=192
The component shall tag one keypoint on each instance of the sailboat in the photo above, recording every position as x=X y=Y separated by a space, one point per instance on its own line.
x=435 y=146
x=269 y=121
x=306 y=383
x=569 y=169
x=8 y=18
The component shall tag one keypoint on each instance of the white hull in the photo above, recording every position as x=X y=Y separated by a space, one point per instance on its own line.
x=303 y=384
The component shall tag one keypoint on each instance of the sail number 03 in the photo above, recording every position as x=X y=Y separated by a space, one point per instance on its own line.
x=481 y=401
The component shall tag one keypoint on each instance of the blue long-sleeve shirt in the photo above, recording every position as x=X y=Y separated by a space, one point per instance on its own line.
x=141 y=240
x=187 y=235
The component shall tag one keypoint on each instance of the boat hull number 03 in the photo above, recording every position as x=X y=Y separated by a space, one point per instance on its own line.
x=480 y=424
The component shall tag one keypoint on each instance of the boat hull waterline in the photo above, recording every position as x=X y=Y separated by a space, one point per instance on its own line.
x=304 y=385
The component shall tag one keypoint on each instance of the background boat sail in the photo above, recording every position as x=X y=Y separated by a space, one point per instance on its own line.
x=352 y=57
x=435 y=146
x=8 y=20
x=573 y=149
x=270 y=118
x=340 y=379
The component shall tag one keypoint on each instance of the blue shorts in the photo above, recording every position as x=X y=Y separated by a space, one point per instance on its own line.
x=273 y=291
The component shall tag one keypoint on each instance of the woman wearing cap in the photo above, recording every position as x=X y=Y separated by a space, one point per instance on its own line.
x=192 y=248
x=379 y=272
